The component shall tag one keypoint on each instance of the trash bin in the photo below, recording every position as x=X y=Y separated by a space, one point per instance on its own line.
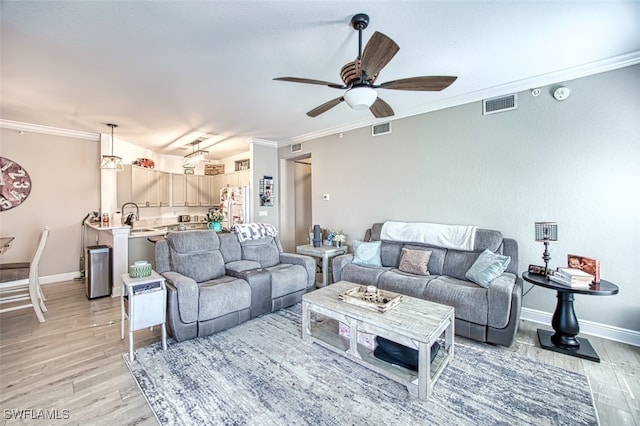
x=100 y=272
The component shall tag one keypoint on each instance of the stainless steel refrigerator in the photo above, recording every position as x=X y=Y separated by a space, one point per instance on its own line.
x=234 y=203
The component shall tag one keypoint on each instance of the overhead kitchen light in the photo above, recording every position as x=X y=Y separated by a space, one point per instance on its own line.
x=111 y=162
x=360 y=97
x=196 y=155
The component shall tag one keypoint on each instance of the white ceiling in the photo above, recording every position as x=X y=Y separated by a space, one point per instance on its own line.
x=168 y=72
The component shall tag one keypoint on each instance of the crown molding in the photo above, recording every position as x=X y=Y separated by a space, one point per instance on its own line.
x=55 y=131
x=555 y=77
x=264 y=142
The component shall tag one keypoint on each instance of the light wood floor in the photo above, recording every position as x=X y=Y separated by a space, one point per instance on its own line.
x=74 y=362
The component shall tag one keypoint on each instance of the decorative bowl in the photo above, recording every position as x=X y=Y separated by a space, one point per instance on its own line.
x=140 y=271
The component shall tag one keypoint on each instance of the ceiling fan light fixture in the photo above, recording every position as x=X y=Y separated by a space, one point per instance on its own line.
x=360 y=97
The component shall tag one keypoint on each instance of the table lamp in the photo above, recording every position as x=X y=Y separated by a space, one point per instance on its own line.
x=545 y=232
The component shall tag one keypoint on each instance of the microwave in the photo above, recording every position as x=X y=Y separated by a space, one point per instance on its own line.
x=184 y=218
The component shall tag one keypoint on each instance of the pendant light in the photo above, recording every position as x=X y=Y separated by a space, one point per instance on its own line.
x=196 y=156
x=111 y=162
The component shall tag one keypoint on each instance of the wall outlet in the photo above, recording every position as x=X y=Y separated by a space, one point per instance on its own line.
x=326 y=197
x=263 y=213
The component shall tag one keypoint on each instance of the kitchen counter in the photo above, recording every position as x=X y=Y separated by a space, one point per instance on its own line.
x=99 y=227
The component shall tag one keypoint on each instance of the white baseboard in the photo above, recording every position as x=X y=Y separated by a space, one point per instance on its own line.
x=45 y=279
x=623 y=335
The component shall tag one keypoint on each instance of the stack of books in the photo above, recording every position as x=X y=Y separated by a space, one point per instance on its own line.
x=572 y=277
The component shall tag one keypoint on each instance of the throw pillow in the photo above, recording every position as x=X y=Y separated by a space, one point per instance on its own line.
x=487 y=267
x=367 y=254
x=415 y=261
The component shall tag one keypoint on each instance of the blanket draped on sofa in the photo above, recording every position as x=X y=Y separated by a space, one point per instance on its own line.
x=458 y=237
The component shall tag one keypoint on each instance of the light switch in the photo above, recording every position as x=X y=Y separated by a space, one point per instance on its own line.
x=263 y=213
x=326 y=197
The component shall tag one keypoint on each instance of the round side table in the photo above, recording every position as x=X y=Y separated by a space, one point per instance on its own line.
x=564 y=320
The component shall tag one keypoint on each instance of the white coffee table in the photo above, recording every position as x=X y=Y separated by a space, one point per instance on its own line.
x=415 y=323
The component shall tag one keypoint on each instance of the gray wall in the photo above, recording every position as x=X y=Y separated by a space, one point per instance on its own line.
x=575 y=162
x=65 y=177
x=264 y=162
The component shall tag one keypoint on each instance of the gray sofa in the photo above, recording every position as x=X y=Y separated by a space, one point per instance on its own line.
x=485 y=314
x=215 y=282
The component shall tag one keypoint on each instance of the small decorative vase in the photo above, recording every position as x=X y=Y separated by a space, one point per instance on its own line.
x=216 y=226
x=338 y=243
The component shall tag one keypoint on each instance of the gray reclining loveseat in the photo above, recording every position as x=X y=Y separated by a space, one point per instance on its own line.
x=215 y=282
x=487 y=314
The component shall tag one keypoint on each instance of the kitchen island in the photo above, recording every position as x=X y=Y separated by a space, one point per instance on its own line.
x=132 y=243
x=117 y=237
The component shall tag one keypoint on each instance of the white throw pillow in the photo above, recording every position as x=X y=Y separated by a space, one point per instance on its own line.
x=487 y=267
x=367 y=253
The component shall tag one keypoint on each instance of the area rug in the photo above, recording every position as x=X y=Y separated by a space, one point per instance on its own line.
x=262 y=373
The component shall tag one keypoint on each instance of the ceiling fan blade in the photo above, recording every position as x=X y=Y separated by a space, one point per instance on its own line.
x=310 y=81
x=377 y=53
x=325 y=107
x=381 y=109
x=427 y=83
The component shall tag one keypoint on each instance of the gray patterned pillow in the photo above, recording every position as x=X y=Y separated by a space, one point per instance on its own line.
x=415 y=261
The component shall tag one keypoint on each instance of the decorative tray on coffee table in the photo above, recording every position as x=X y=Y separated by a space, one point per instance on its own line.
x=371 y=297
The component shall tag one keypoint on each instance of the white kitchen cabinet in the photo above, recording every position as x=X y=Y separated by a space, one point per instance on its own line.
x=164 y=188
x=139 y=185
x=178 y=190
x=216 y=186
x=205 y=190
x=244 y=178
x=232 y=179
x=193 y=191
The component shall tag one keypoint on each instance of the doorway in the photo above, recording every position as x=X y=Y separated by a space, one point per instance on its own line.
x=302 y=199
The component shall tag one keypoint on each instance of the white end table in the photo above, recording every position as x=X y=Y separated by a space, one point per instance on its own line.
x=324 y=252
x=143 y=301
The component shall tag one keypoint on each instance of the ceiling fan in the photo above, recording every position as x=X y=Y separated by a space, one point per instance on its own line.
x=359 y=76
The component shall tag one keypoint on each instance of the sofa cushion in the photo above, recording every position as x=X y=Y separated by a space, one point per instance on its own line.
x=230 y=247
x=362 y=274
x=487 y=239
x=193 y=241
x=241 y=266
x=487 y=267
x=287 y=279
x=196 y=254
x=469 y=300
x=223 y=296
x=390 y=252
x=366 y=253
x=263 y=250
x=405 y=283
x=457 y=263
x=415 y=261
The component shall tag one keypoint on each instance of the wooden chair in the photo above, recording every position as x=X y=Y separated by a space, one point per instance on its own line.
x=13 y=288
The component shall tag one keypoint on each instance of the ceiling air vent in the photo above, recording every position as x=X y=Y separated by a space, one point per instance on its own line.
x=500 y=104
x=380 y=129
x=296 y=147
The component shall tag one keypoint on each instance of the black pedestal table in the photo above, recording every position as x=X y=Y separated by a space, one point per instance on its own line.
x=564 y=321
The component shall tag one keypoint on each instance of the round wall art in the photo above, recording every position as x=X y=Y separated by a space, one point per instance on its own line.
x=15 y=184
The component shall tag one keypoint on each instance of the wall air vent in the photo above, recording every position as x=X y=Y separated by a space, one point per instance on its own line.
x=500 y=104
x=296 y=147
x=380 y=129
